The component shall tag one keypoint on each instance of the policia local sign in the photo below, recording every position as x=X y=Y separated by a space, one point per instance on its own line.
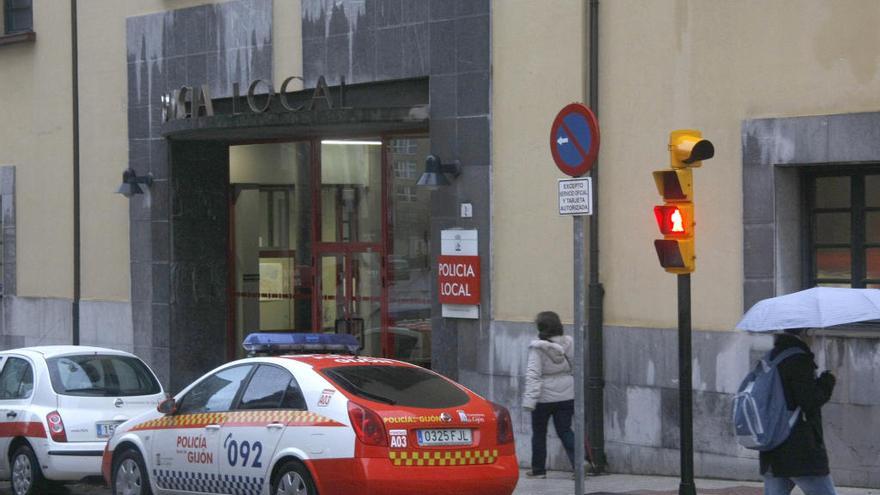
x=458 y=274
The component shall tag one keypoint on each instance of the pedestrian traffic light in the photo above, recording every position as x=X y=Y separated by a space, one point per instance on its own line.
x=687 y=148
x=675 y=218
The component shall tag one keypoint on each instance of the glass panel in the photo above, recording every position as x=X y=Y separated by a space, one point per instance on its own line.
x=101 y=376
x=872 y=190
x=409 y=274
x=833 y=263
x=872 y=226
x=351 y=191
x=833 y=192
x=351 y=292
x=266 y=388
x=832 y=228
x=272 y=223
x=16 y=380
x=398 y=385
x=332 y=291
x=214 y=393
x=872 y=260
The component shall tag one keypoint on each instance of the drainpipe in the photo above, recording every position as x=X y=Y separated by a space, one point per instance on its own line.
x=76 y=224
x=595 y=379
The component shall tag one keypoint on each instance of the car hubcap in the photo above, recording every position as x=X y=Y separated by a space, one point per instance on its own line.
x=292 y=484
x=21 y=475
x=128 y=478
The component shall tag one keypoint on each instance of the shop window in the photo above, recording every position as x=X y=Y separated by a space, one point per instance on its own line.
x=843 y=228
x=17 y=16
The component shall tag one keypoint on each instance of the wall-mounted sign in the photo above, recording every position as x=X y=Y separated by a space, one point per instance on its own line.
x=458 y=274
x=196 y=101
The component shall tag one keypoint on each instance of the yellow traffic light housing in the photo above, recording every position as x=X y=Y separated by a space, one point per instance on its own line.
x=687 y=148
x=675 y=218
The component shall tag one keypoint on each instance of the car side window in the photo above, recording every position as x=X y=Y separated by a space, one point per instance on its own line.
x=270 y=388
x=216 y=392
x=16 y=380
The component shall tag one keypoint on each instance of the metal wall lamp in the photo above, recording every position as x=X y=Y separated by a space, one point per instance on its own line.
x=435 y=172
x=131 y=183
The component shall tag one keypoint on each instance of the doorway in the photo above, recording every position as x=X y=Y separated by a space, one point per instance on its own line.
x=331 y=235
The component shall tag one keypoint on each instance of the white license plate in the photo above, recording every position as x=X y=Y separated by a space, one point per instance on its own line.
x=105 y=430
x=446 y=436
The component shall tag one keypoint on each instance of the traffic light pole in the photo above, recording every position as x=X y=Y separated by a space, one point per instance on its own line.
x=685 y=387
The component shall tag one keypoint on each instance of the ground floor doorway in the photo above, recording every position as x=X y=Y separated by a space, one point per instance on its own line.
x=332 y=235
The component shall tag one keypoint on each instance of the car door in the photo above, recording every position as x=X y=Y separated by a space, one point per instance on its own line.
x=186 y=453
x=16 y=391
x=271 y=399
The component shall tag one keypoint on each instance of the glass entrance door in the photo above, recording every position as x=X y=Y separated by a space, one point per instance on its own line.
x=351 y=250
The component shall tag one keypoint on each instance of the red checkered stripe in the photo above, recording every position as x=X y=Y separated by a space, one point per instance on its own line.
x=238 y=418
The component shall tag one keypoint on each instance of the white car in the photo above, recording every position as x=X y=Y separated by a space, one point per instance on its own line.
x=58 y=407
x=316 y=424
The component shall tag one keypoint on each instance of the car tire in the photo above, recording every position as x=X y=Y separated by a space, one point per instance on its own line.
x=129 y=475
x=26 y=476
x=293 y=478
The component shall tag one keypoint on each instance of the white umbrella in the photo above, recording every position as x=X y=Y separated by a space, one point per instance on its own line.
x=818 y=307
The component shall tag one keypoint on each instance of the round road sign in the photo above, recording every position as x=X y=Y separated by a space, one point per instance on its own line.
x=574 y=139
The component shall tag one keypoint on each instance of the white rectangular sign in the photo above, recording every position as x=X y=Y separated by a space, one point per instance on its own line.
x=576 y=196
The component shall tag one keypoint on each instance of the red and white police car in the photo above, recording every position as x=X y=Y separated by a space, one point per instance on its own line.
x=58 y=407
x=316 y=424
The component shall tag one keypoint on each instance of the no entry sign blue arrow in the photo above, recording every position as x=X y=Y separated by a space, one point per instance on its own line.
x=574 y=139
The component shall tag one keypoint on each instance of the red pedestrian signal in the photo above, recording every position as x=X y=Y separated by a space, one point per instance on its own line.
x=674 y=220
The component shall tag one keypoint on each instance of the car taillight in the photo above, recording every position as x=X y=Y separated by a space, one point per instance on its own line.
x=367 y=425
x=504 y=424
x=56 y=427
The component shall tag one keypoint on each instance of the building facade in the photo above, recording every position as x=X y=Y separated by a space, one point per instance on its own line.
x=280 y=144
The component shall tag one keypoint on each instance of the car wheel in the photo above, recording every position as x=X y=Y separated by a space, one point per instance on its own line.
x=130 y=475
x=293 y=479
x=27 y=479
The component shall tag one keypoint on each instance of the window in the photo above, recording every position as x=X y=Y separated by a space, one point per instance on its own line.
x=404 y=146
x=399 y=385
x=216 y=392
x=405 y=169
x=101 y=376
x=16 y=380
x=272 y=388
x=17 y=16
x=844 y=228
x=405 y=193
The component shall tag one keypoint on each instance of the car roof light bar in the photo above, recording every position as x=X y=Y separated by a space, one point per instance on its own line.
x=300 y=343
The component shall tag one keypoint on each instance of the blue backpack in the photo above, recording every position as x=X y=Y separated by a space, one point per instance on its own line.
x=761 y=418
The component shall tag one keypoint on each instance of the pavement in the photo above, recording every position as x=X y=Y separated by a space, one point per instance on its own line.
x=560 y=483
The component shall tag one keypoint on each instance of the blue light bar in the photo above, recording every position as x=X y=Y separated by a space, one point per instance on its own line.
x=309 y=343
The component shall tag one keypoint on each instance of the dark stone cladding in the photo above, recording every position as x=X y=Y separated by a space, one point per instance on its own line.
x=449 y=41
x=177 y=256
x=827 y=140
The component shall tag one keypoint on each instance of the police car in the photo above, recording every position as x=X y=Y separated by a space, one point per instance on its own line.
x=317 y=423
x=58 y=407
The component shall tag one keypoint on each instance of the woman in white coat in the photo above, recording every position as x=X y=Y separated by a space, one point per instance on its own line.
x=549 y=391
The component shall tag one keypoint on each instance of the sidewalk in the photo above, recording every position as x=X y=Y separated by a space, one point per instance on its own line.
x=560 y=483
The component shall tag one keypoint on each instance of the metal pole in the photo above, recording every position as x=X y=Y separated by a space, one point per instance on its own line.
x=579 y=305
x=685 y=387
x=77 y=276
x=596 y=381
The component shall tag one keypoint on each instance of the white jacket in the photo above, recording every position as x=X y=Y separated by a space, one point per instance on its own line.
x=549 y=376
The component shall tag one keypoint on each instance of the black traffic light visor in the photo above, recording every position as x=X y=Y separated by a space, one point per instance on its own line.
x=703 y=150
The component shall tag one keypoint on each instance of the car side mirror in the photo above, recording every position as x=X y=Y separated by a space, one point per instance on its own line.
x=167 y=406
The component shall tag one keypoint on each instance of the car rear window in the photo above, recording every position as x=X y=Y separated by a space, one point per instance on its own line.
x=101 y=376
x=398 y=385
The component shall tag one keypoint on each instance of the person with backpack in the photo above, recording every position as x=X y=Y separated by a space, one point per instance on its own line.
x=549 y=390
x=801 y=459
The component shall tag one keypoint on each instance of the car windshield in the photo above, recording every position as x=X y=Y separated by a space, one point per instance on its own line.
x=101 y=376
x=398 y=385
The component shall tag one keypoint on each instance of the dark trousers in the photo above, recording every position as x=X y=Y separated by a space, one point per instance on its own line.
x=561 y=412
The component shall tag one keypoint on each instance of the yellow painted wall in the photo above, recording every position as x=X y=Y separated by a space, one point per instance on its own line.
x=537 y=68
x=35 y=87
x=663 y=65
